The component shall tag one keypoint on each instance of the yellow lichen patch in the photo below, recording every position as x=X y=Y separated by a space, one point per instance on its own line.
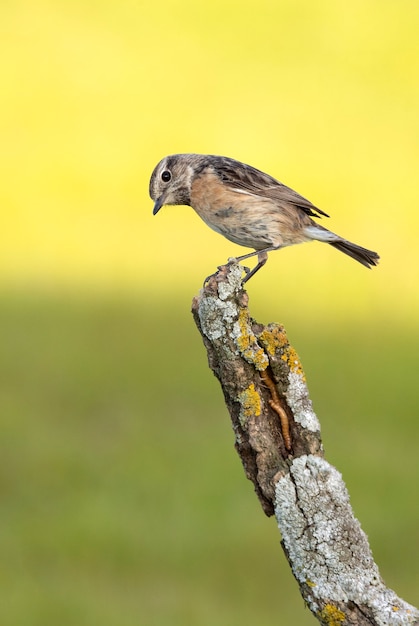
x=257 y=357
x=246 y=337
x=310 y=583
x=332 y=616
x=292 y=360
x=247 y=343
x=249 y=402
x=274 y=338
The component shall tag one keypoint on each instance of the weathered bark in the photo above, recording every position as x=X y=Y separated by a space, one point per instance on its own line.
x=278 y=440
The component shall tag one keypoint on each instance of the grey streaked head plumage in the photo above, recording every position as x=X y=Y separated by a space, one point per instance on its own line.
x=171 y=180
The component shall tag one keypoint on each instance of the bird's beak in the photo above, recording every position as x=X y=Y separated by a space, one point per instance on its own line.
x=158 y=205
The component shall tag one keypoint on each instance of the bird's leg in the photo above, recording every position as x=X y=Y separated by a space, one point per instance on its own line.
x=249 y=254
x=262 y=258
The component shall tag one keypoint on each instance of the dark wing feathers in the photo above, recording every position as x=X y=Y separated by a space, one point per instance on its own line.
x=241 y=176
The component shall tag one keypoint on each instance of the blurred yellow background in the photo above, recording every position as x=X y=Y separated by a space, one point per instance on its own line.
x=95 y=294
x=323 y=95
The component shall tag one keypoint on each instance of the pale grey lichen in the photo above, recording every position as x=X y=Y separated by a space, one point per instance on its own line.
x=299 y=402
x=326 y=546
x=217 y=313
x=236 y=331
x=213 y=316
x=233 y=284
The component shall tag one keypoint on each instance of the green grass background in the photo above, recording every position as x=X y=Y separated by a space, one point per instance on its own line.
x=122 y=499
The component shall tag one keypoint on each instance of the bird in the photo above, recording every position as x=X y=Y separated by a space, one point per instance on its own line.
x=245 y=205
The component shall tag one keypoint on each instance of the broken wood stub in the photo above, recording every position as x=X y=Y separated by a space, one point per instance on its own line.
x=278 y=440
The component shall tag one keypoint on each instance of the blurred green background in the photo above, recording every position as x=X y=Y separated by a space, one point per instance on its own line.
x=122 y=498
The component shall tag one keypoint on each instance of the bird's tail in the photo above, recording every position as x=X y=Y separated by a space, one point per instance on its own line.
x=360 y=254
x=366 y=257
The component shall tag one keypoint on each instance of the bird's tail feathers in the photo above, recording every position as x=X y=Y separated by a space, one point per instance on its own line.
x=366 y=257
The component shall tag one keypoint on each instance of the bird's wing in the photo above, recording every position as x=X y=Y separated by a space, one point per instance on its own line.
x=248 y=179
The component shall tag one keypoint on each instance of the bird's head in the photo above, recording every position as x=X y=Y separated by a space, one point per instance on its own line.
x=171 y=180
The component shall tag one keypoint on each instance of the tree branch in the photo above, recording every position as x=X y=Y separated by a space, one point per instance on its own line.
x=278 y=439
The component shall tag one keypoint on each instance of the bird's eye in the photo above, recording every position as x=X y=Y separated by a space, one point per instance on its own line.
x=166 y=176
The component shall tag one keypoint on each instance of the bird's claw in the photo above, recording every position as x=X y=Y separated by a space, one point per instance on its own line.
x=233 y=260
x=230 y=261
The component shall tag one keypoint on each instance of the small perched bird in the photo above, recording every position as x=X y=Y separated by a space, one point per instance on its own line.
x=245 y=205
